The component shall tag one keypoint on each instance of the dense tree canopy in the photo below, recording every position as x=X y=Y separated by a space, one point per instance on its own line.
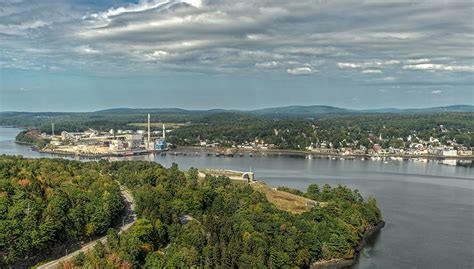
x=45 y=202
x=342 y=131
x=227 y=129
x=184 y=221
x=213 y=223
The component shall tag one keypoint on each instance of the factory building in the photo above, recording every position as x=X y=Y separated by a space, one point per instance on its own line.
x=119 y=143
x=134 y=140
x=161 y=144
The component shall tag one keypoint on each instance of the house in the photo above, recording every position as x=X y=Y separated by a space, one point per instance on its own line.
x=449 y=152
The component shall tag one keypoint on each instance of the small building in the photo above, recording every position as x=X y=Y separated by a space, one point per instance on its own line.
x=116 y=145
x=160 y=145
x=56 y=143
x=450 y=152
x=377 y=148
x=249 y=176
x=465 y=152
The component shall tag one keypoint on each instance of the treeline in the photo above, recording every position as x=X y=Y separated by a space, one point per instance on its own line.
x=76 y=122
x=342 y=131
x=186 y=222
x=235 y=128
x=47 y=202
x=32 y=137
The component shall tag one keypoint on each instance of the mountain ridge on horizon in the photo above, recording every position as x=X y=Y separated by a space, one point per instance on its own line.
x=278 y=111
x=297 y=110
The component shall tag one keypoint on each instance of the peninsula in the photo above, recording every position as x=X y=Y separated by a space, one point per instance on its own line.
x=184 y=219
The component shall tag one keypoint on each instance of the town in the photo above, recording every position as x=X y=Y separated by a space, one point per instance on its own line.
x=411 y=145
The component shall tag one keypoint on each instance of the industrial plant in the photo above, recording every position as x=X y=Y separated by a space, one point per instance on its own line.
x=112 y=143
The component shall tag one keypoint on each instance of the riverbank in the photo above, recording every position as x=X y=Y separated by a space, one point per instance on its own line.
x=24 y=143
x=466 y=161
x=231 y=152
x=346 y=263
x=97 y=155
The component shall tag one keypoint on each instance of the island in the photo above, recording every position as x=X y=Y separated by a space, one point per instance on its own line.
x=194 y=218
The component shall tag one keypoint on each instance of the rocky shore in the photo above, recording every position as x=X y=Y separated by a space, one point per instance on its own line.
x=346 y=263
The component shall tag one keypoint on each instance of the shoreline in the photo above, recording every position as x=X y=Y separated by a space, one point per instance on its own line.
x=347 y=263
x=225 y=152
x=303 y=153
x=24 y=143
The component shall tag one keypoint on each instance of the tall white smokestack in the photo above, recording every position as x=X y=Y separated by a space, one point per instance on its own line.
x=149 y=133
x=164 y=132
x=52 y=129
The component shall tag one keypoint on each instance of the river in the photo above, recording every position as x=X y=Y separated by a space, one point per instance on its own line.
x=428 y=207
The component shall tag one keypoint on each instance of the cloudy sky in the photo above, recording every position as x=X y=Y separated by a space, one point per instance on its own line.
x=82 y=55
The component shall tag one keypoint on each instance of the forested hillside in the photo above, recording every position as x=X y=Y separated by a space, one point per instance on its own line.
x=185 y=221
x=342 y=131
x=47 y=202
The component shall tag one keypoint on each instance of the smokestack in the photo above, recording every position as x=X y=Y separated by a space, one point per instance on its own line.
x=164 y=132
x=149 y=134
x=52 y=129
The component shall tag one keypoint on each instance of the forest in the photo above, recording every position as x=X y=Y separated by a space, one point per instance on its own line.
x=236 y=128
x=45 y=203
x=191 y=222
x=351 y=131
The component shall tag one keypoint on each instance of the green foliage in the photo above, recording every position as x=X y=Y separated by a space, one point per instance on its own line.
x=45 y=202
x=79 y=259
x=227 y=129
x=341 y=131
x=31 y=137
x=185 y=222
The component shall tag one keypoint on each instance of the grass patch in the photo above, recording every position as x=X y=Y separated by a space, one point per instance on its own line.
x=226 y=173
x=284 y=200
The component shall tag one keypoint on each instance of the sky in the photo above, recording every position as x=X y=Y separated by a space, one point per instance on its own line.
x=86 y=55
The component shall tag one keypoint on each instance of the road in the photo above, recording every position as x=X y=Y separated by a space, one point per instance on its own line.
x=128 y=220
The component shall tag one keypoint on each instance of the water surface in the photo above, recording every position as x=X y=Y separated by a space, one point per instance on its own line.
x=428 y=207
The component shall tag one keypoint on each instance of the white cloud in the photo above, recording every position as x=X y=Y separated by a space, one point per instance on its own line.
x=436 y=92
x=86 y=50
x=418 y=61
x=440 y=67
x=371 y=71
x=348 y=65
x=153 y=36
x=159 y=53
x=141 y=6
x=367 y=65
x=388 y=78
x=301 y=71
x=271 y=64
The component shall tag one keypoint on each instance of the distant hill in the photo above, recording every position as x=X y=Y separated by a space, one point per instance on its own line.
x=144 y=110
x=275 y=112
x=454 y=108
x=314 y=111
x=300 y=111
x=293 y=111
